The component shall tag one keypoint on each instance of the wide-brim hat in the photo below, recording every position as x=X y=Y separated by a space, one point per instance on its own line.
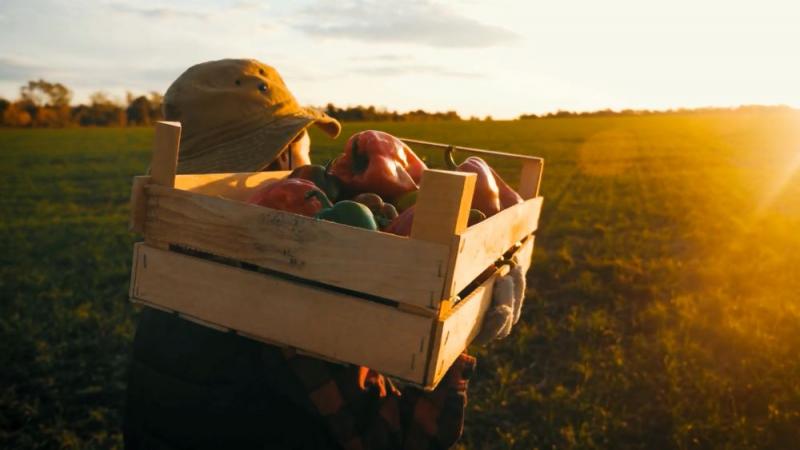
x=237 y=115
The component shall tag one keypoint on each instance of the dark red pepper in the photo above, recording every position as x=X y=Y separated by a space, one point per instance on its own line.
x=374 y=161
x=492 y=194
x=289 y=194
x=508 y=196
x=319 y=175
x=401 y=225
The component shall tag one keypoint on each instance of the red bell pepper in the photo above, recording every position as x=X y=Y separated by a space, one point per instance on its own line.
x=374 y=161
x=492 y=194
x=401 y=225
x=289 y=194
x=508 y=196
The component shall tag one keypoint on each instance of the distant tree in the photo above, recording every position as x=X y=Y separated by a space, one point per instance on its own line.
x=15 y=115
x=144 y=109
x=47 y=103
x=102 y=111
x=372 y=113
x=138 y=111
x=4 y=104
x=156 y=100
x=44 y=93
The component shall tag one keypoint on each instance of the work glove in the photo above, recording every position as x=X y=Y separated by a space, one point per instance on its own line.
x=507 y=298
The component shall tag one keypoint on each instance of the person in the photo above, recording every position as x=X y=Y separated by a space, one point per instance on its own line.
x=193 y=387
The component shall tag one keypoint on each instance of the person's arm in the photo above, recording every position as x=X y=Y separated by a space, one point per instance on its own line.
x=367 y=412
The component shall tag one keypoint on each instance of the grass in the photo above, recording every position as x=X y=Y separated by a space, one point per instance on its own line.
x=663 y=309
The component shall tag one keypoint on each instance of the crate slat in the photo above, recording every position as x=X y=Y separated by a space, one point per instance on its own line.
x=455 y=332
x=481 y=244
x=234 y=186
x=530 y=178
x=442 y=208
x=308 y=318
x=165 y=153
x=138 y=204
x=405 y=270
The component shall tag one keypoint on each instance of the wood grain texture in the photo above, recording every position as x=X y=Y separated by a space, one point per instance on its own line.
x=456 y=330
x=234 y=186
x=442 y=207
x=483 y=243
x=530 y=178
x=393 y=267
x=138 y=204
x=316 y=320
x=165 y=153
x=525 y=253
x=453 y=334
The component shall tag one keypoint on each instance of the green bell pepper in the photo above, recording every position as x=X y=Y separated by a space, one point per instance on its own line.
x=346 y=212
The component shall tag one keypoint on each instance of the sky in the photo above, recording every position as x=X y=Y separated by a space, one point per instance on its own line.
x=500 y=58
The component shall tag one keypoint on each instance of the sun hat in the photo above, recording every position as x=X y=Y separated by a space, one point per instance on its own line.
x=237 y=115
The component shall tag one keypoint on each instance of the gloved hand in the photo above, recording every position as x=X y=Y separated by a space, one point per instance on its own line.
x=507 y=297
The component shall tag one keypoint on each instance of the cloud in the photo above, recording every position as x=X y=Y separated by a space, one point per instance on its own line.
x=163 y=12
x=158 y=12
x=417 y=21
x=90 y=76
x=412 y=69
x=248 y=6
x=13 y=70
x=381 y=57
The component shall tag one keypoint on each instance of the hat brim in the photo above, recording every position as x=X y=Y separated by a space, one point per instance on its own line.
x=327 y=123
x=252 y=151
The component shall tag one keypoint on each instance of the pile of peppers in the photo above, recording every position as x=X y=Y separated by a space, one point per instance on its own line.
x=376 y=177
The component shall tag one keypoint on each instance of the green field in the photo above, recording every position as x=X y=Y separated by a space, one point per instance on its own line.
x=663 y=309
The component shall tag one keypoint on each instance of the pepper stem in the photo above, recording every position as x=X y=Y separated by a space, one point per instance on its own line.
x=360 y=159
x=326 y=203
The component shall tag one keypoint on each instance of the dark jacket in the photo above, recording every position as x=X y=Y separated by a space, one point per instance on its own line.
x=193 y=387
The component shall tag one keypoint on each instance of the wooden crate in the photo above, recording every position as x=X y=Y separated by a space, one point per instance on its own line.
x=404 y=306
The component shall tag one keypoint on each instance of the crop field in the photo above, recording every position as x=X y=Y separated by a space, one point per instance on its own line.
x=663 y=308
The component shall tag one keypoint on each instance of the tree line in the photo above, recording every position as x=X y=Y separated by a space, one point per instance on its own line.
x=372 y=114
x=646 y=112
x=45 y=104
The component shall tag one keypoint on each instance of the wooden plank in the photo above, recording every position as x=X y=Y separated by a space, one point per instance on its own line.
x=138 y=204
x=441 y=213
x=525 y=253
x=165 y=153
x=483 y=243
x=442 y=207
x=456 y=330
x=340 y=327
x=393 y=267
x=234 y=186
x=453 y=334
x=530 y=179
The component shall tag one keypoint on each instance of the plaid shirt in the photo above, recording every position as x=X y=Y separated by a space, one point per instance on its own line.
x=364 y=410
